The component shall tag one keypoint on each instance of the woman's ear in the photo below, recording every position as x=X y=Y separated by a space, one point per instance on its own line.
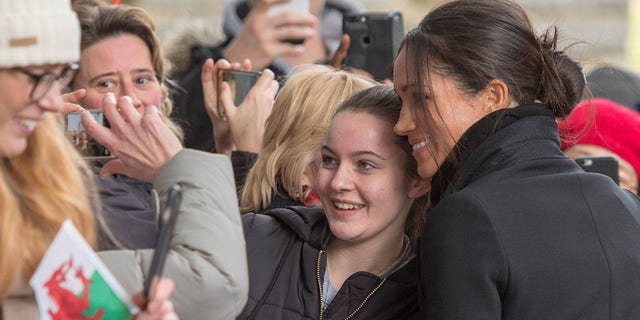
x=419 y=188
x=496 y=96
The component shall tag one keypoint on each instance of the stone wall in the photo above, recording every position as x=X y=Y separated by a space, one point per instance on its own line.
x=599 y=25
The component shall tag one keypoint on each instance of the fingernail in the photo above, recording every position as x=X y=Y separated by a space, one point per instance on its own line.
x=153 y=109
x=110 y=98
x=128 y=99
x=86 y=112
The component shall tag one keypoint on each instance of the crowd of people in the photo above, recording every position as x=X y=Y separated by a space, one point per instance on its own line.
x=451 y=191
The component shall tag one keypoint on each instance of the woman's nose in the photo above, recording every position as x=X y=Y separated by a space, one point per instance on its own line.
x=405 y=123
x=130 y=91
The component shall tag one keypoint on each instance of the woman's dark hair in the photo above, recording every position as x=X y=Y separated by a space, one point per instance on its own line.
x=476 y=41
x=382 y=102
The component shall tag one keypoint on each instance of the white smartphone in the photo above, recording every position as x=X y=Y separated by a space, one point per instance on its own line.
x=289 y=6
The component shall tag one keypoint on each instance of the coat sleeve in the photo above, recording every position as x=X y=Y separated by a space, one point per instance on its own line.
x=463 y=268
x=207 y=258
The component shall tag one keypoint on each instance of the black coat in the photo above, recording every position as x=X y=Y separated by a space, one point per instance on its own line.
x=523 y=233
x=285 y=262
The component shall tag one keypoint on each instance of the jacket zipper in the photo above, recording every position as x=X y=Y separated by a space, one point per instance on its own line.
x=322 y=300
x=320 y=253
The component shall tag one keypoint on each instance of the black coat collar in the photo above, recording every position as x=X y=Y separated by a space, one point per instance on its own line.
x=494 y=142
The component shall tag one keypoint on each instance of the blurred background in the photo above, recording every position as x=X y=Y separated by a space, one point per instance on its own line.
x=605 y=30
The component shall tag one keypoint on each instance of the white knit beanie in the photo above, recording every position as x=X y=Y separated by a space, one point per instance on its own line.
x=38 y=32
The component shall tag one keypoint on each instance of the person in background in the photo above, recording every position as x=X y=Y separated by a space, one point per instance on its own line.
x=44 y=181
x=517 y=230
x=601 y=127
x=121 y=54
x=353 y=257
x=288 y=154
x=616 y=84
x=252 y=33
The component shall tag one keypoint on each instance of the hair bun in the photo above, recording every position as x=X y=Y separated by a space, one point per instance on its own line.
x=562 y=81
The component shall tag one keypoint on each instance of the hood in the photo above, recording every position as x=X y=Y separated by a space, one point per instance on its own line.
x=309 y=223
x=235 y=12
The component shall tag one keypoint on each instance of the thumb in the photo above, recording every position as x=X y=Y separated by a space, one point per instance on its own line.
x=338 y=57
x=112 y=167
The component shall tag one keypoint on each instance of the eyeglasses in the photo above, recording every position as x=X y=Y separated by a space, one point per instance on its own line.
x=44 y=82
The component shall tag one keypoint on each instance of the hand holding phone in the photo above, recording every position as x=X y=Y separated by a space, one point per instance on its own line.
x=294 y=6
x=167 y=220
x=85 y=144
x=240 y=82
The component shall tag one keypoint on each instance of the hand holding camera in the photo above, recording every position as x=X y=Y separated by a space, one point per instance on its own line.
x=246 y=99
x=273 y=28
x=239 y=108
x=141 y=143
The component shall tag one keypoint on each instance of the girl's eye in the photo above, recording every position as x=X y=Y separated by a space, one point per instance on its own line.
x=328 y=161
x=365 y=165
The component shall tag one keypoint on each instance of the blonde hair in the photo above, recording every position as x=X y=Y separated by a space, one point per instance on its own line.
x=39 y=189
x=294 y=132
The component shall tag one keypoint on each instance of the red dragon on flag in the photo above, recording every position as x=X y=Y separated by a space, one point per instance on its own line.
x=70 y=306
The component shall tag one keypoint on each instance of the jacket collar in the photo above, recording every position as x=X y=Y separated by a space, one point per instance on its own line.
x=496 y=141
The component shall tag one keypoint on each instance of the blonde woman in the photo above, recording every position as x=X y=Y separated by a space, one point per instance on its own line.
x=43 y=181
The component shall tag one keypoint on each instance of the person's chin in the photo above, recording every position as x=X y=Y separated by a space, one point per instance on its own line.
x=427 y=169
x=13 y=147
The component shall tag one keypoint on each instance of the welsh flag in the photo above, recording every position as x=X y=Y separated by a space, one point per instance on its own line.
x=72 y=283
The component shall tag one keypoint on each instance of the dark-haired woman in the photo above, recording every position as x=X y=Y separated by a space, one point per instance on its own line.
x=518 y=230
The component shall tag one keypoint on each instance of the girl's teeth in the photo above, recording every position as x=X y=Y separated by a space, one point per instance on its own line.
x=346 y=206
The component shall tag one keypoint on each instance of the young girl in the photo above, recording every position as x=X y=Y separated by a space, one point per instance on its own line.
x=353 y=259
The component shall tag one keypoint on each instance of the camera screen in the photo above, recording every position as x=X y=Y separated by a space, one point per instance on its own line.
x=240 y=83
x=84 y=143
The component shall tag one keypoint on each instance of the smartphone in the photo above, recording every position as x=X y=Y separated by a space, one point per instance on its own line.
x=606 y=165
x=288 y=6
x=375 y=40
x=167 y=221
x=295 y=6
x=86 y=145
x=240 y=81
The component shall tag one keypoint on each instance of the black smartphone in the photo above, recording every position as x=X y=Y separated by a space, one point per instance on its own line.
x=240 y=81
x=375 y=40
x=606 y=165
x=86 y=145
x=167 y=220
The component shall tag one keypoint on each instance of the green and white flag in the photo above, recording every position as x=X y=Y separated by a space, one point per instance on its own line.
x=71 y=282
